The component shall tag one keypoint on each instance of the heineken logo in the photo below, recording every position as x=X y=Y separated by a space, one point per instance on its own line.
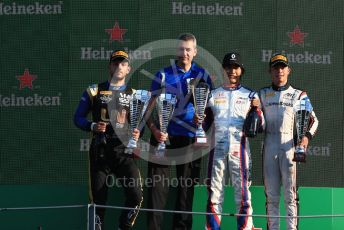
x=36 y=8
x=14 y=100
x=26 y=81
x=320 y=151
x=305 y=57
x=213 y=9
x=116 y=33
x=101 y=53
x=297 y=37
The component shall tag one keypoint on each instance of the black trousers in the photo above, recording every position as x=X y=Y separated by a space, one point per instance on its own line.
x=187 y=175
x=107 y=160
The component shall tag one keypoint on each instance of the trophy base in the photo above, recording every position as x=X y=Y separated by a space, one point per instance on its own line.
x=299 y=154
x=134 y=152
x=159 y=157
x=159 y=153
x=201 y=142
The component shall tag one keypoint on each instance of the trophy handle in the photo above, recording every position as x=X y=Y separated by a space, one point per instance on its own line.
x=132 y=143
x=132 y=149
x=160 y=150
x=161 y=147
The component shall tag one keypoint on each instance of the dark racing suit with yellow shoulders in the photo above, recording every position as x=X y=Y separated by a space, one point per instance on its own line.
x=110 y=104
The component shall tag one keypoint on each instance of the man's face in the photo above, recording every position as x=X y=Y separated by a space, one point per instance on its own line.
x=186 y=51
x=279 y=74
x=119 y=69
x=232 y=74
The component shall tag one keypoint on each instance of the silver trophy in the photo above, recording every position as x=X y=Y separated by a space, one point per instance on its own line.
x=200 y=93
x=302 y=113
x=138 y=104
x=166 y=103
x=189 y=82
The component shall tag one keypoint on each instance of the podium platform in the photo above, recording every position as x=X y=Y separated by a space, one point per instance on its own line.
x=313 y=201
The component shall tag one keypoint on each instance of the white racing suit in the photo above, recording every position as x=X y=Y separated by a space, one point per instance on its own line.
x=277 y=105
x=231 y=154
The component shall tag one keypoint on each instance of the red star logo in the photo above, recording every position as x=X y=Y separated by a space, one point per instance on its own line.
x=116 y=33
x=297 y=37
x=26 y=79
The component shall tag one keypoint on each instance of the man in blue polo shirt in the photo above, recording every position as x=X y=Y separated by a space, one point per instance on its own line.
x=175 y=79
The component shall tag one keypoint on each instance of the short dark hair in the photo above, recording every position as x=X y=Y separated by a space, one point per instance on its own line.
x=187 y=37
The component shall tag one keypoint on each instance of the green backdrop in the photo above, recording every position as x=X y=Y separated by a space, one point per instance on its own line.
x=52 y=50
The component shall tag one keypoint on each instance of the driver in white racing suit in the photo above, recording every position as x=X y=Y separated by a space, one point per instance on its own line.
x=230 y=155
x=279 y=168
